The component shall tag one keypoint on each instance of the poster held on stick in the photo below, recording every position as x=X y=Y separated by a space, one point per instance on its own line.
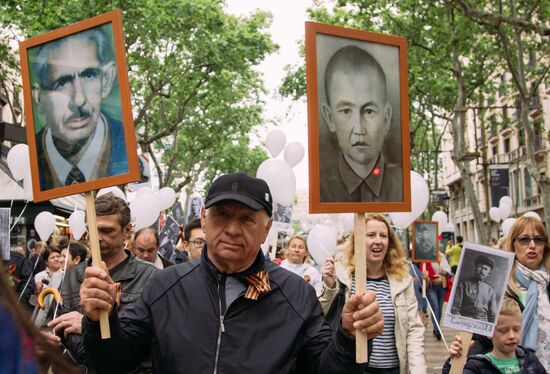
x=458 y=363
x=93 y=238
x=361 y=341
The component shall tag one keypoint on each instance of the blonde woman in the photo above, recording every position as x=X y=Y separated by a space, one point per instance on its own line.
x=530 y=282
x=296 y=261
x=400 y=348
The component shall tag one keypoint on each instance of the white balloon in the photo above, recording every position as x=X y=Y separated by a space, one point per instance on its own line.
x=280 y=178
x=505 y=200
x=114 y=190
x=504 y=211
x=349 y=221
x=421 y=193
x=167 y=197
x=77 y=224
x=144 y=210
x=532 y=214
x=275 y=142
x=321 y=243
x=44 y=223
x=27 y=186
x=494 y=214
x=507 y=225
x=294 y=153
x=144 y=191
x=18 y=161
x=440 y=217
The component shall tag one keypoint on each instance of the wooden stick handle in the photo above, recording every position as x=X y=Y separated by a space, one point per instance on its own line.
x=361 y=341
x=458 y=363
x=93 y=240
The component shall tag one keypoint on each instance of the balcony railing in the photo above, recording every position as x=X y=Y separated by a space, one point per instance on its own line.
x=518 y=153
x=532 y=201
x=501 y=158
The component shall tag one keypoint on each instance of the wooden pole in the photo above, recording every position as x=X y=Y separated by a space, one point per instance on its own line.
x=93 y=239
x=361 y=341
x=457 y=365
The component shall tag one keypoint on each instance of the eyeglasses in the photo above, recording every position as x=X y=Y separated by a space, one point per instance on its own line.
x=197 y=242
x=526 y=240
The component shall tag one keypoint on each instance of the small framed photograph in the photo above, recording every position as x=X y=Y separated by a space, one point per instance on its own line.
x=478 y=289
x=78 y=112
x=194 y=206
x=177 y=213
x=358 y=121
x=5 y=233
x=282 y=217
x=425 y=243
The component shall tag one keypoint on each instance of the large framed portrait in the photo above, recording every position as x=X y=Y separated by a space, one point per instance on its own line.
x=425 y=241
x=478 y=289
x=358 y=121
x=78 y=112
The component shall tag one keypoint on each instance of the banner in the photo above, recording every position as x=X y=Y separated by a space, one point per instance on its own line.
x=500 y=183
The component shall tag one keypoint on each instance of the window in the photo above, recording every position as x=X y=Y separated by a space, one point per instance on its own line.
x=494 y=149
x=506 y=145
x=527 y=181
x=521 y=137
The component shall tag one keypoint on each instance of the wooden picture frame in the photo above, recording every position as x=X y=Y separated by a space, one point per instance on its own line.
x=78 y=112
x=350 y=170
x=425 y=241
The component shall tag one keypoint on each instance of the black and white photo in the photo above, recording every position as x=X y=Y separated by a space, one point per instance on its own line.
x=194 y=206
x=425 y=242
x=478 y=289
x=358 y=106
x=282 y=216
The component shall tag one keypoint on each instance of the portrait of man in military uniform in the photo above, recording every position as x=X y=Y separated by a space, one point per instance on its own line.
x=425 y=247
x=474 y=297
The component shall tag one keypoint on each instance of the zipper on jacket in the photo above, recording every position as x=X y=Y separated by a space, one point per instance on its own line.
x=221 y=329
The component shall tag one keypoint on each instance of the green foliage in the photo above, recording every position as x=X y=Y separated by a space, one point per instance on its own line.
x=195 y=93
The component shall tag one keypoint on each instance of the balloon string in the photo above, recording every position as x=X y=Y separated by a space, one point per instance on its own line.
x=18 y=218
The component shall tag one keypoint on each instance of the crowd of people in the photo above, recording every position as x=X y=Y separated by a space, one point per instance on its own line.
x=218 y=304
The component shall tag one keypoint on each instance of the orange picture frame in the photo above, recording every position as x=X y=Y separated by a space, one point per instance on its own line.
x=68 y=87
x=383 y=159
x=425 y=239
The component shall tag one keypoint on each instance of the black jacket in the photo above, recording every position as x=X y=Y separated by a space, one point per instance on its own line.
x=22 y=277
x=481 y=364
x=180 y=315
x=132 y=273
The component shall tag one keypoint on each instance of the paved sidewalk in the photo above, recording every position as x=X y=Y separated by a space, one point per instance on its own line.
x=435 y=350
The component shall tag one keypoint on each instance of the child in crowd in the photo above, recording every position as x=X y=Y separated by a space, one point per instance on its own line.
x=507 y=356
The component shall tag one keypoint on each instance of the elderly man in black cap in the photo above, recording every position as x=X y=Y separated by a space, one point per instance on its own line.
x=473 y=297
x=229 y=311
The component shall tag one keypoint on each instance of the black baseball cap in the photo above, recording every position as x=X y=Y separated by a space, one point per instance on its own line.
x=241 y=187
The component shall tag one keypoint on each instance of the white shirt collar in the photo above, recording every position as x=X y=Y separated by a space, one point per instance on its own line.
x=89 y=159
x=158 y=263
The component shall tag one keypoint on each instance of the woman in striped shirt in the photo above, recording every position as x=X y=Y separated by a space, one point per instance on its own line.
x=400 y=348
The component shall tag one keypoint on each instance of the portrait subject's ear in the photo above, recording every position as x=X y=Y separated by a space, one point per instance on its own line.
x=327 y=115
x=36 y=90
x=387 y=115
x=109 y=75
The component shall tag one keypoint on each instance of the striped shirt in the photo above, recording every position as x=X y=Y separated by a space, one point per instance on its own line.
x=384 y=351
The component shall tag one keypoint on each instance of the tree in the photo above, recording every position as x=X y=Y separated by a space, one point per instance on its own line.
x=520 y=30
x=195 y=93
x=458 y=63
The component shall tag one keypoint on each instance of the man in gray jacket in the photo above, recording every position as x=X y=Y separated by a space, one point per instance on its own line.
x=130 y=273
